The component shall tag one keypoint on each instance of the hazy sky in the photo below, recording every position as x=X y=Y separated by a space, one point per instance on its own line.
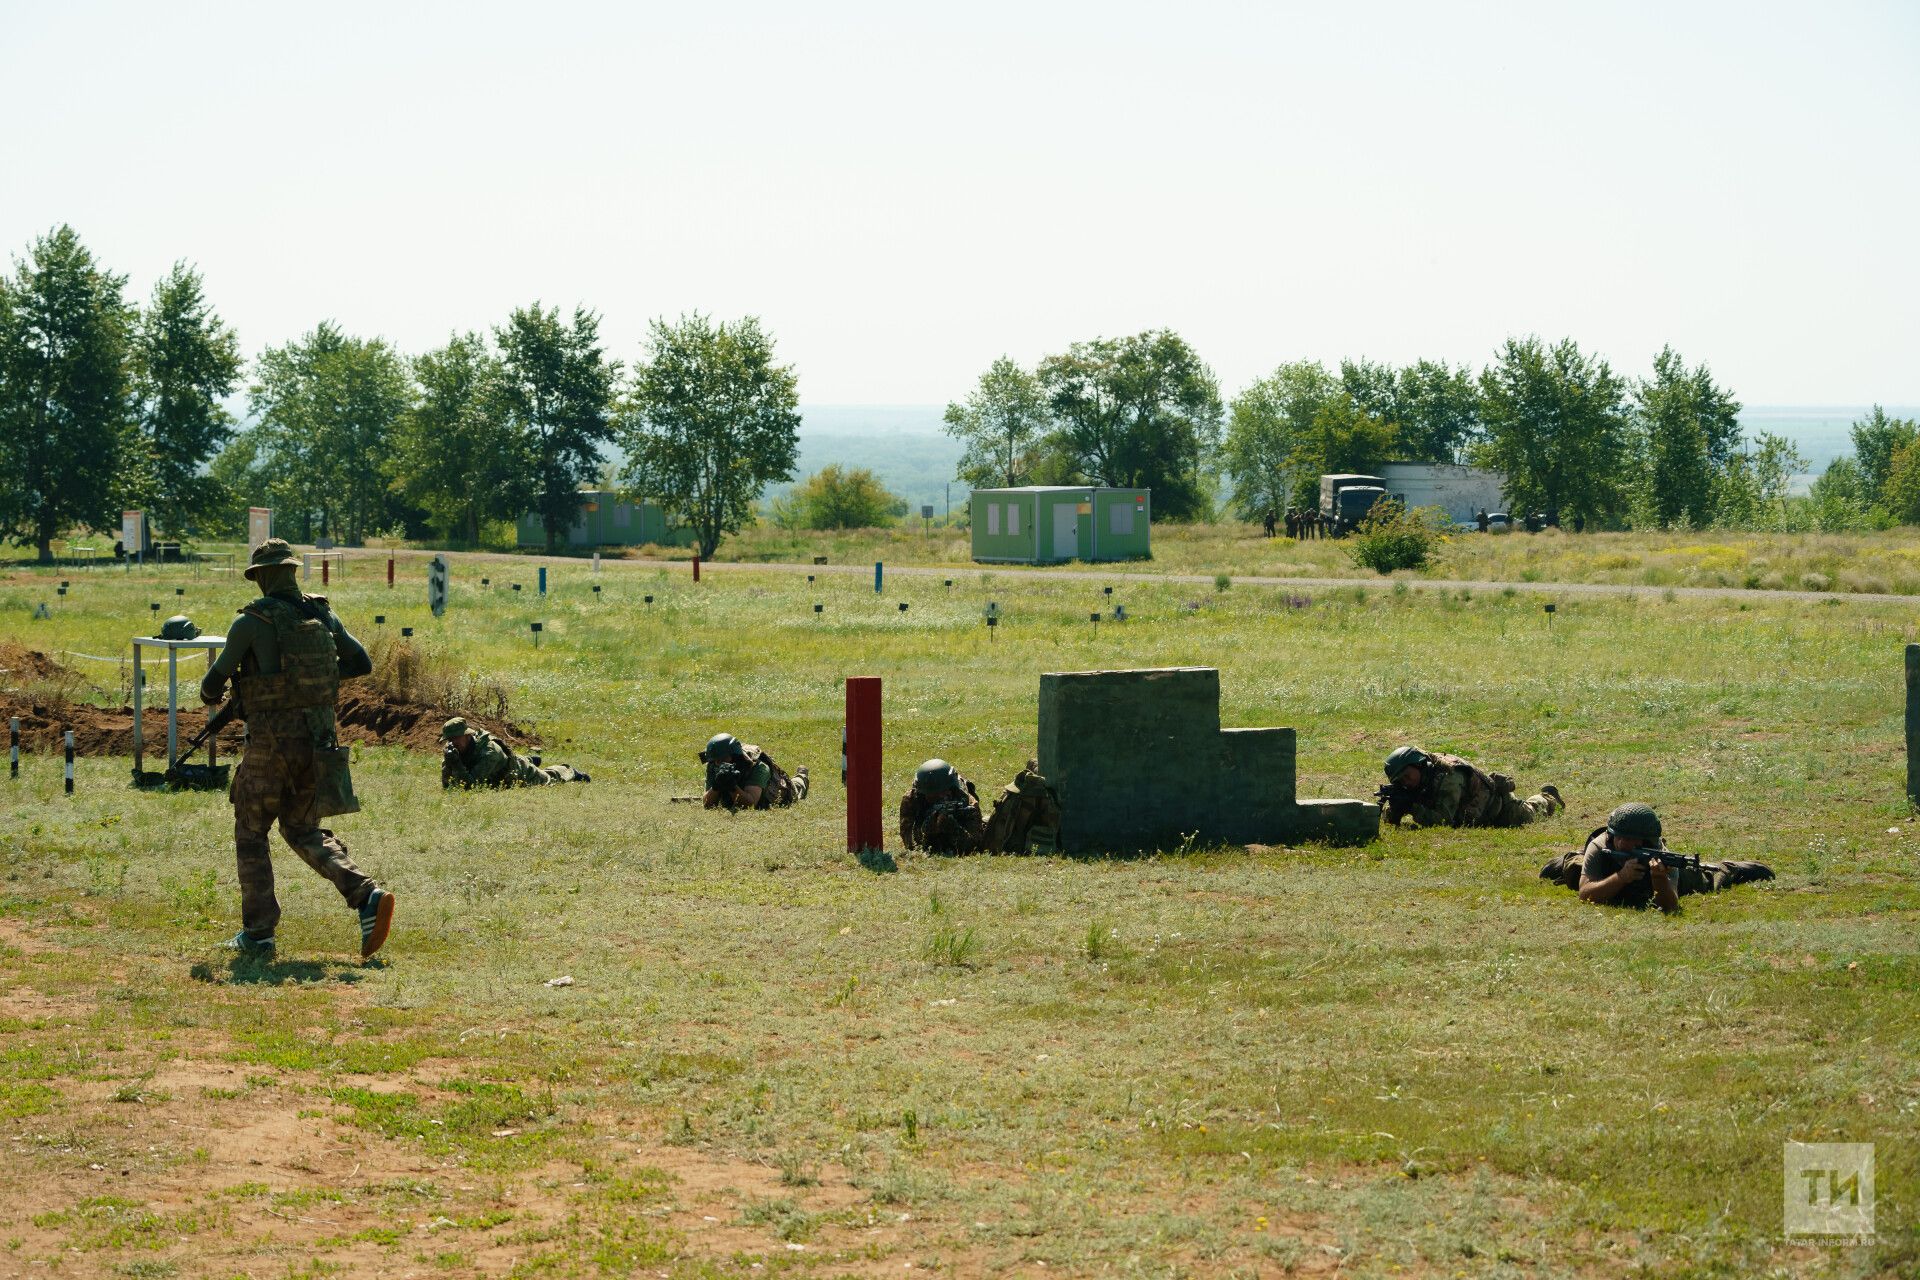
x=903 y=192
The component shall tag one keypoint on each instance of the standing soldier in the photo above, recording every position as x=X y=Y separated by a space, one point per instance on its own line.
x=1438 y=790
x=1483 y=520
x=475 y=758
x=286 y=654
x=941 y=813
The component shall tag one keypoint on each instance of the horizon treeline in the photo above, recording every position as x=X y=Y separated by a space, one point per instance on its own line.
x=107 y=404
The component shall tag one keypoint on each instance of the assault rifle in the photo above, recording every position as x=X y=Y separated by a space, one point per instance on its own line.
x=203 y=777
x=1666 y=857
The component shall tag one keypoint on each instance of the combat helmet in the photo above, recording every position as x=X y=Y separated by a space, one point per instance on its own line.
x=936 y=776
x=721 y=746
x=1403 y=757
x=179 y=627
x=1635 y=820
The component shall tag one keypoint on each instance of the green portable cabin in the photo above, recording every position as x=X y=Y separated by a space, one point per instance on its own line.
x=604 y=519
x=1045 y=524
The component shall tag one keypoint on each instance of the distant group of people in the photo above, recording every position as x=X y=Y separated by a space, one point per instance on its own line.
x=1301 y=525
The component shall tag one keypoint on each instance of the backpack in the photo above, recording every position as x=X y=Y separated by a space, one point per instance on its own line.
x=1026 y=815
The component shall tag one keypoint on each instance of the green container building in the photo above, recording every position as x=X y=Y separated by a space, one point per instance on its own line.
x=604 y=519
x=1045 y=524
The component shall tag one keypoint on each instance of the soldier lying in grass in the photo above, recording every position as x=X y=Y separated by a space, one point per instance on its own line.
x=1625 y=864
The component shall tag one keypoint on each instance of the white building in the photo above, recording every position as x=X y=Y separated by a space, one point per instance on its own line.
x=1461 y=492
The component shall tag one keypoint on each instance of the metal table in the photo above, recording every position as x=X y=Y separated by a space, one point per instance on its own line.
x=212 y=644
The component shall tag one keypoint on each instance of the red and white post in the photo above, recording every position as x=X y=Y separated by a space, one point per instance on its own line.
x=862 y=764
x=696 y=568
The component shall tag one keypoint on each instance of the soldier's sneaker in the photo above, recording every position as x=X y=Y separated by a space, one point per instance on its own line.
x=580 y=775
x=376 y=920
x=249 y=947
x=1553 y=793
x=801 y=783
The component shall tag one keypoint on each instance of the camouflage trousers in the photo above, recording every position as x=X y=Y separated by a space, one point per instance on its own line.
x=1708 y=877
x=278 y=780
x=1511 y=811
x=528 y=774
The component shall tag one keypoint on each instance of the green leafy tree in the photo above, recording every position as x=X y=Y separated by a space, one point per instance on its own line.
x=327 y=406
x=1434 y=409
x=710 y=421
x=1688 y=429
x=1002 y=422
x=1268 y=426
x=1138 y=412
x=186 y=362
x=456 y=453
x=557 y=392
x=1838 y=498
x=1876 y=438
x=1342 y=438
x=835 y=497
x=1556 y=430
x=65 y=408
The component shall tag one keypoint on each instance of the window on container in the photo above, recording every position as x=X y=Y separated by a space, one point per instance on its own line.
x=1013 y=517
x=993 y=519
x=1120 y=518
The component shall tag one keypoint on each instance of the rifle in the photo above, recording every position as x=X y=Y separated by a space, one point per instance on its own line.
x=203 y=777
x=1666 y=857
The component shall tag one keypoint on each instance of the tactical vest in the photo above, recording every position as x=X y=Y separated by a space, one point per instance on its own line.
x=779 y=788
x=309 y=675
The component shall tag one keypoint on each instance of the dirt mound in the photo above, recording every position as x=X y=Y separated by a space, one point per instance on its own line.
x=365 y=717
x=373 y=718
x=18 y=665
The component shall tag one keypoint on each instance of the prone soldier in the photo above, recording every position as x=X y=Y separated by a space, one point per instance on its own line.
x=1626 y=864
x=743 y=776
x=475 y=758
x=1439 y=790
x=941 y=811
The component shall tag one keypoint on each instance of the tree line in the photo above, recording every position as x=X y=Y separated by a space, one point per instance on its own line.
x=108 y=404
x=1574 y=439
x=105 y=405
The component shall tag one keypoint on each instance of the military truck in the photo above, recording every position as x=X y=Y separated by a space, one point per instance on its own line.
x=1345 y=500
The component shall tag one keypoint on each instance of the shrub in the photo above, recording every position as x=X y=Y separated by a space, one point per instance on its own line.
x=1392 y=537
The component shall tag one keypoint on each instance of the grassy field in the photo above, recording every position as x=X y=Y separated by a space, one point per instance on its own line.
x=1415 y=1059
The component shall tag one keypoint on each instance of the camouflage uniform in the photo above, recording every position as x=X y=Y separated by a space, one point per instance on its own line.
x=949 y=822
x=1597 y=860
x=1454 y=793
x=290 y=733
x=778 y=788
x=488 y=762
x=1026 y=816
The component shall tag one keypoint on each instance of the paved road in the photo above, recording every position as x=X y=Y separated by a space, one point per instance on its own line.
x=1203 y=579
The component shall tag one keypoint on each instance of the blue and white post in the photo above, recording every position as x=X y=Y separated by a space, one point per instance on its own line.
x=543 y=580
x=877 y=572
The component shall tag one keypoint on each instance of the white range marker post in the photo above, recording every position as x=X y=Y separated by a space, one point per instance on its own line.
x=69 y=762
x=13 y=746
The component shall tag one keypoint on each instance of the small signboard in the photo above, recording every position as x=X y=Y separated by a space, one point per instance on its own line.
x=133 y=532
x=437 y=585
x=259 y=527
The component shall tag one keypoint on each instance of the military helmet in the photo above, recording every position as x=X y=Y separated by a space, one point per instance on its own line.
x=722 y=746
x=179 y=627
x=1402 y=757
x=1636 y=820
x=936 y=776
x=269 y=554
x=454 y=728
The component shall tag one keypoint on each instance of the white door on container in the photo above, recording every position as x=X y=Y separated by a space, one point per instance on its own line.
x=1066 y=531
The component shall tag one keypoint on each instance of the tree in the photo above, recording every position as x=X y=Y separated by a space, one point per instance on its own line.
x=1437 y=411
x=1900 y=496
x=1266 y=428
x=1688 y=428
x=710 y=421
x=1138 y=412
x=456 y=454
x=1556 y=430
x=837 y=498
x=1342 y=439
x=65 y=411
x=1001 y=422
x=327 y=405
x=1876 y=438
x=186 y=362
x=1839 y=498
x=557 y=390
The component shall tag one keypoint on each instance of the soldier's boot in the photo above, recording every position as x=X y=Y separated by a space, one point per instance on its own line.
x=250 y=947
x=799 y=780
x=1552 y=793
x=376 y=920
x=1745 y=873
